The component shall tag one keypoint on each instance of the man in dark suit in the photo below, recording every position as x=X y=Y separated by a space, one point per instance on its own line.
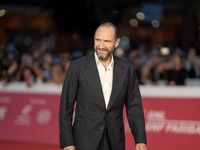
x=101 y=84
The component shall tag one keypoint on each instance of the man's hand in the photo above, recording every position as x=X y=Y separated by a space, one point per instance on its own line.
x=141 y=146
x=70 y=148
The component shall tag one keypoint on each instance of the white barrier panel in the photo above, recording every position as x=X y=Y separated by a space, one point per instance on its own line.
x=152 y=91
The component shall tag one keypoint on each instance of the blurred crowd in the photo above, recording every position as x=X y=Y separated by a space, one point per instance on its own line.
x=38 y=65
x=165 y=66
x=154 y=67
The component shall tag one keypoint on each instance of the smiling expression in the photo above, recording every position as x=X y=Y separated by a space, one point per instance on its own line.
x=105 y=42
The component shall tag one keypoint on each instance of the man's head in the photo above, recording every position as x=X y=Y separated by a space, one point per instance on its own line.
x=105 y=40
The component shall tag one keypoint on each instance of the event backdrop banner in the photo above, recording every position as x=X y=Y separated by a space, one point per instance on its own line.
x=171 y=123
x=29 y=117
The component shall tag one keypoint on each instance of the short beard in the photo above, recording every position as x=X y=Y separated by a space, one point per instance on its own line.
x=105 y=57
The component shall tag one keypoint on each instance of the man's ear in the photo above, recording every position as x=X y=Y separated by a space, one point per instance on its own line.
x=117 y=42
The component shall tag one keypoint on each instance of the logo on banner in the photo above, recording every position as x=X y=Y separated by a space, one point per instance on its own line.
x=156 y=121
x=24 y=118
x=44 y=116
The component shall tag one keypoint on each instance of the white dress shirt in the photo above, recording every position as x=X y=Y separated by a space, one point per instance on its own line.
x=106 y=78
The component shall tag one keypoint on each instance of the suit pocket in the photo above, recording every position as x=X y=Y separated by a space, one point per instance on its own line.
x=79 y=125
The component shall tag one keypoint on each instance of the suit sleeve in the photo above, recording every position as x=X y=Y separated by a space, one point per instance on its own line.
x=67 y=100
x=134 y=109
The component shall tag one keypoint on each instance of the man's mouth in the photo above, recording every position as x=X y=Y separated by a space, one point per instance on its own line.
x=102 y=49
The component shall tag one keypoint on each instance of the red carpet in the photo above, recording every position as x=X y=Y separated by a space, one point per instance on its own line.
x=8 y=145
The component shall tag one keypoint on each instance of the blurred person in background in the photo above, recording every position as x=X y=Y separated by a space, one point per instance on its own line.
x=26 y=60
x=160 y=65
x=57 y=74
x=101 y=84
x=65 y=60
x=146 y=77
x=10 y=65
x=190 y=63
x=46 y=66
x=12 y=71
x=65 y=65
x=10 y=60
x=142 y=53
x=37 y=70
x=135 y=58
x=36 y=55
x=27 y=76
x=154 y=60
x=3 y=73
x=177 y=74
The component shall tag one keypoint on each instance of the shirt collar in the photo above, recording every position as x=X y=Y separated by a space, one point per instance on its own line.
x=98 y=62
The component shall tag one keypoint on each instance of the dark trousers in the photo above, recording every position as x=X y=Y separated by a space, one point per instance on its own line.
x=105 y=143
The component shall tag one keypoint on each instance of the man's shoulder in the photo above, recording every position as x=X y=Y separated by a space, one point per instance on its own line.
x=123 y=61
x=82 y=60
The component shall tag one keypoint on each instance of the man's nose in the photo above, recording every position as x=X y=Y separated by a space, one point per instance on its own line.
x=102 y=45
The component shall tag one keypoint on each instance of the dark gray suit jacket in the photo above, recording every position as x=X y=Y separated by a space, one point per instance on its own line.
x=82 y=85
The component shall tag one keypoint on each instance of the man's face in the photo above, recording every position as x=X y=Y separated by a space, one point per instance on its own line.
x=105 y=42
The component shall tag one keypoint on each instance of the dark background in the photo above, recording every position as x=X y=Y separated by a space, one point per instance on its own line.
x=71 y=24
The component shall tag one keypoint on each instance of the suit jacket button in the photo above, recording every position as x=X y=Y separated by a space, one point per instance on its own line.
x=101 y=128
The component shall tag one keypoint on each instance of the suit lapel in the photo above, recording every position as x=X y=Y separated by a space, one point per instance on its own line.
x=118 y=81
x=91 y=75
